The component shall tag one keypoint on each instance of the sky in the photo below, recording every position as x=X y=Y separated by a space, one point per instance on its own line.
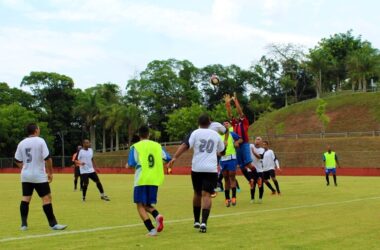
x=98 y=41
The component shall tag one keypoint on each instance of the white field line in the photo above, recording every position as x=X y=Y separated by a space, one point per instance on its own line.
x=61 y=233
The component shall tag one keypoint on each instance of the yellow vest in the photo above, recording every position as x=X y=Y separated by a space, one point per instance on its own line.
x=150 y=158
x=230 y=150
x=330 y=161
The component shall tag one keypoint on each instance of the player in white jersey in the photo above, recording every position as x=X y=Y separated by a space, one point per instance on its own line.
x=270 y=163
x=32 y=155
x=256 y=152
x=206 y=144
x=87 y=171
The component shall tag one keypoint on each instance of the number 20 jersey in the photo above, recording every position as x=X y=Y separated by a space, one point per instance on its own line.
x=206 y=143
x=32 y=152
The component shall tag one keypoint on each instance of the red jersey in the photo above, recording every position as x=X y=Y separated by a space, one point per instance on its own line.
x=241 y=126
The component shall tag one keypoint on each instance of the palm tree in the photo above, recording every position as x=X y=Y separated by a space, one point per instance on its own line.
x=134 y=120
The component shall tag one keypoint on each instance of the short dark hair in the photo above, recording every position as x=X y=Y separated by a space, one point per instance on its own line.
x=204 y=120
x=31 y=128
x=266 y=142
x=144 y=131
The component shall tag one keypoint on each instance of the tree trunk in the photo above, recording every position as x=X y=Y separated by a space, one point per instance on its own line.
x=93 y=137
x=286 y=99
x=111 y=141
x=353 y=85
x=364 y=84
x=318 y=85
x=360 y=85
x=117 y=140
x=104 y=140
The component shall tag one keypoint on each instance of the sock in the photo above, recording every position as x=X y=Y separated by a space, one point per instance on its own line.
x=233 y=192
x=227 y=194
x=327 y=179
x=205 y=214
x=246 y=175
x=84 y=191
x=155 y=213
x=24 y=210
x=100 y=187
x=197 y=213
x=252 y=193
x=75 y=183
x=334 y=176
x=237 y=185
x=148 y=224
x=277 y=186
x=270 y=186
x=261 y=192
x=48 y=209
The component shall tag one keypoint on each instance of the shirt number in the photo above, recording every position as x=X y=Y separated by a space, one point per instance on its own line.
x=207 y=146
x=28 y=155
x=151 y=160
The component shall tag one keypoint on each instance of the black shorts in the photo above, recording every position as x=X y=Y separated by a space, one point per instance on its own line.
x=204 y=182
x=42 y=189
x=257 y=175
x=76 y=171
x=268 y=174
x=93 y=176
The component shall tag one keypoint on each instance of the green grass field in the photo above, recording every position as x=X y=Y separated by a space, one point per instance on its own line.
x=308 y=215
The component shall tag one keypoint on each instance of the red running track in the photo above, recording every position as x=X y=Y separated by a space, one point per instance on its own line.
x=292 y=171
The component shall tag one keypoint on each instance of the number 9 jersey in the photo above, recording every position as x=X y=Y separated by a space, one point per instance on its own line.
x=206 y=143
x=33 y=152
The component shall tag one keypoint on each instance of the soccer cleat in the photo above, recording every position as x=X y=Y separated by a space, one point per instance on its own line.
x=238 y=190
x=273 y=192
x=278 y=193
x=84 y=199
x=227 y=202
x=327 y=184
x=160 y=222
x=152 y=233
x=233 y=201
x=260 y=201
x=58 y=227
x=218 y=189
x=213 y=195
x=105 y=198
x=252 y=201
x=336 y=184
x=203 y=228
x=24 y=228
x=197 y=225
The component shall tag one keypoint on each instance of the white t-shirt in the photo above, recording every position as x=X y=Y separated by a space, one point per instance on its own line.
x=85 y=156
x=217 y=127
x=257 y=163
x=269 y=160
x=206 y=143
x=32 y=152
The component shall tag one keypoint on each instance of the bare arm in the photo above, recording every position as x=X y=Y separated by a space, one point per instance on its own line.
x=49 y=169
x=19 y=164
x=227 y=100
x=237 y=104
x=182 y=148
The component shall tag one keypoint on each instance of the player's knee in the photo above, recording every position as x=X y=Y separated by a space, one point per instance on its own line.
x=27 y=198
x=46 y=199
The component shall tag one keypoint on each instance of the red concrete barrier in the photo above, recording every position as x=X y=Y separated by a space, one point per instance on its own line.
x=287 y=171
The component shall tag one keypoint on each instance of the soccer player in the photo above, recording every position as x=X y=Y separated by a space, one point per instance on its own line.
x=228 y=164
x=85 y=159
x=206 y=144
x=270 y=163
x=256 y=152
x=240 y=126
x=32 y=155
x=146 y=157
x=76 y=170
x=330 y=160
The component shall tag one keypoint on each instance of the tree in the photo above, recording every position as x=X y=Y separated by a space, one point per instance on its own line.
x=288 y=84
x=55 y=97
x=13 y=120
x=134 y=119
x=14 y=95
x=321 y=114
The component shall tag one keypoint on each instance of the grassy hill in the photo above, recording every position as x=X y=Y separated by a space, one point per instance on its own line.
x=347 y=112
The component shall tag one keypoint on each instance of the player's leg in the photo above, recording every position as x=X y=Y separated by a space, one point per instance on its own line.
x=334 y=176
x=208 y=181
x=152 y=199
x=140 y=198
x=275 y=181
x=197 y=197
x=219 y=186
x=227 y=186
x=43 y=190
x=266 y=175
x=327 y=172
x=85 y=185
x=261 y=188
x=27 y=192
x=95 y=178
x=232 y=177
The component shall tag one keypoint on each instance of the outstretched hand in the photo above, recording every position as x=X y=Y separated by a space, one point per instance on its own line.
x=227 y=98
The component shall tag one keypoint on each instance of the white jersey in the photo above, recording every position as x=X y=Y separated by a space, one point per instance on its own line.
x=270 y=161
x=206 y=143
x=85 y=156
x=217 y=127
x=257 y=163
x=32 y=152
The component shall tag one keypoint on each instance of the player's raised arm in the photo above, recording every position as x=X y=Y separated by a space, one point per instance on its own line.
x=227 y=100
x=237 y=104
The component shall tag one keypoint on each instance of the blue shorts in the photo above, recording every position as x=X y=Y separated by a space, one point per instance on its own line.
x=146 y=195
x=229 y=165
x=243 y=154
x=330 y=170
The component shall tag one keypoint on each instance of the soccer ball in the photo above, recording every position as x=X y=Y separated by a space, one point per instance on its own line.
x=214 y=80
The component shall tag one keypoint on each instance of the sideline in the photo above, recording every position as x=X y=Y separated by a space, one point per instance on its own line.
x=183 y=220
